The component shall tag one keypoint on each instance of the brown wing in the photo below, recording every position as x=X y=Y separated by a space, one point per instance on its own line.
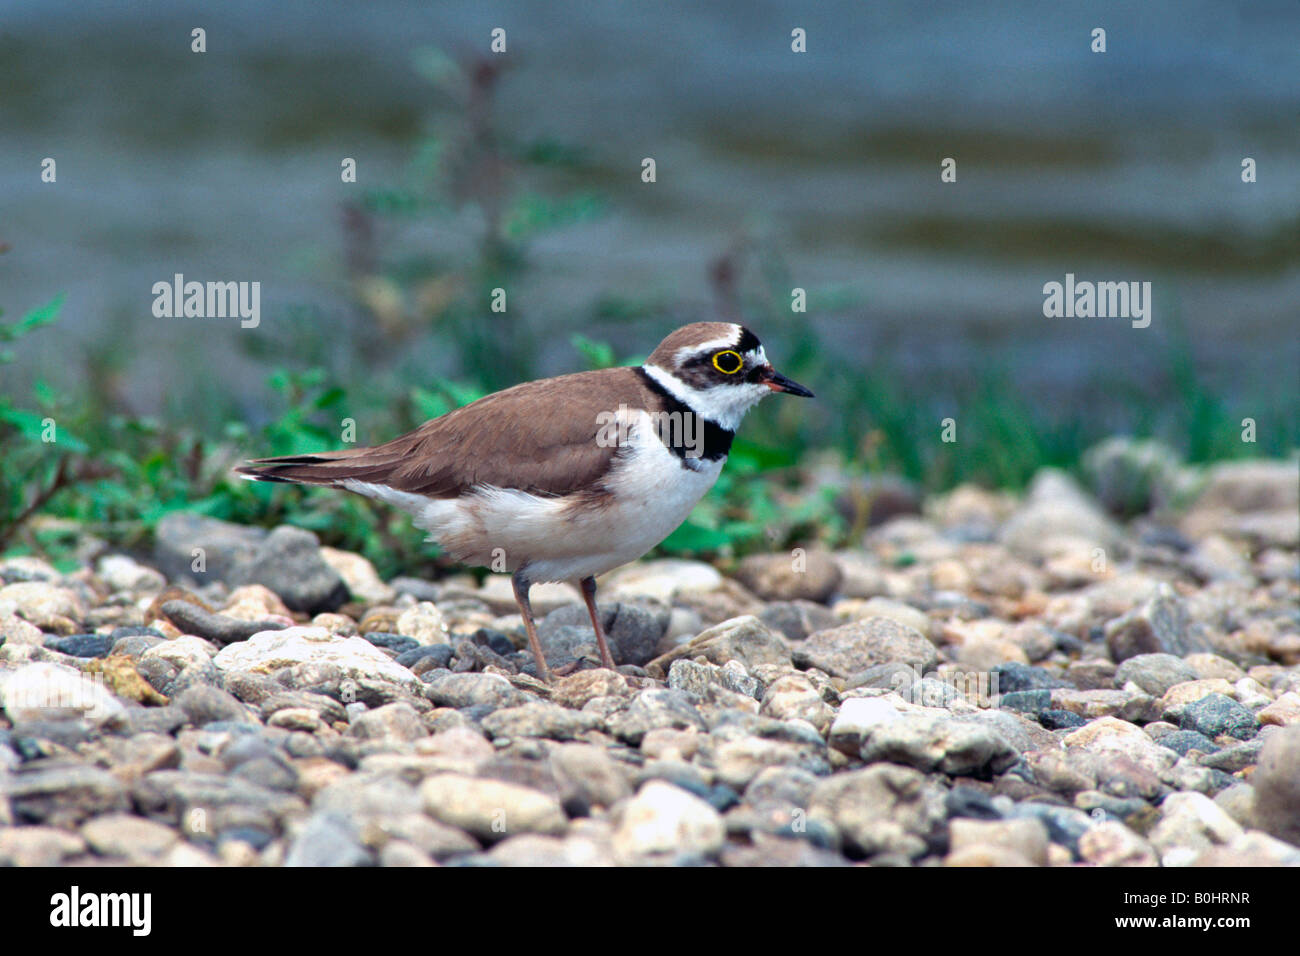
x=539 y=437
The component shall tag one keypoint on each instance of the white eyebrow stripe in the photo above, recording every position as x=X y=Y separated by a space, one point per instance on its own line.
x=759 y=356
x=688 y=350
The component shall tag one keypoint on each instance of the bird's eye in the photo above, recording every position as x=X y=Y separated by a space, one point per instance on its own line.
x=728 y=362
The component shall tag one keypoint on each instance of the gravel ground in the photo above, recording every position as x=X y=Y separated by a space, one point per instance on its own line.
x=991 y=681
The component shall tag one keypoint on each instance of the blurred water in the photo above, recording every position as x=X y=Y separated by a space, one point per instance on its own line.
x=1117 y=166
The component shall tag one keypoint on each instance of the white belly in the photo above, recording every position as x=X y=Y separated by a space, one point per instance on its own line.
x=557 y=538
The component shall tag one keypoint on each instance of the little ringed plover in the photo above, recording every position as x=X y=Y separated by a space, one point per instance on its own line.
x=564 y=478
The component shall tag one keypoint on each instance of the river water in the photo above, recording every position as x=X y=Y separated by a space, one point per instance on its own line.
x=1123 y=165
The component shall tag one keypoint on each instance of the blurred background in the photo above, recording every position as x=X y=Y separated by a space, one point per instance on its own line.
x=775 y=170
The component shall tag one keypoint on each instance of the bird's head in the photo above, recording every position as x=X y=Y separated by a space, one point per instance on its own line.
x=719 y=369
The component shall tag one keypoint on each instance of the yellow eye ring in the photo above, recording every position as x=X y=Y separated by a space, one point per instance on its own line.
x=727 y=355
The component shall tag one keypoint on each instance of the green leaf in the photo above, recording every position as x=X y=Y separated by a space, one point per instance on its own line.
x=532 y=213
x=462 y=393
x=695 y=539
x=429 y=404
x=38 y=317
x=30 y=425
x=329 y=398
x=597 y=354
x=393 y=202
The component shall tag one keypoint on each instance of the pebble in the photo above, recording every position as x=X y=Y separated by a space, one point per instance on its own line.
x=697 y=679
x=473 y=690
x=1155 y=673
x=794 y=696
x=738 y=761
x=82 y=645
x=38 y=846
x=1277 y=785
x=885 y=809
x=181 y=651
x=353 y=657
x=27 y=568
x=122 y=573
x=795 y=620
x=63 y=796
x=1209 y=666
x=539 y=719
x=1111 y=843
x=363 y=582
x=1056 y=509
x=185 y=542
x=47 y=691
x=588 y=844
x=1013 y=677
x=1235 y=757
x=799 y=576
x=15 y=631
x=662 y=580
x=851 y=648
x=490 y=810
x=1034 y=702
x=204 y=705
x=1216 y=714
x=1178 y=697
x=1183 y=742
x=397 y=643
x=1283 y=712
x=997 y=842
x=587 y=778
x=1158 y=626
x=1250 y=849
x=401 y=853
x=577 y=690
x=255 y=602
x=1129 y=475
x=131 y=838
x=633 y=631
x=666 y=820
x=857 y=719
x=655 y=710
x=745 y=639
x=967 y=692
x=1091 y=704
x=423 y=664
x=218 y=628
x=939 y=742
x=884 y=608
x=288 y=561
x=1189 y=823
x=48 y=606
x=424 y=624
x=1061 y=719
x=392 y=723
x=327 y=839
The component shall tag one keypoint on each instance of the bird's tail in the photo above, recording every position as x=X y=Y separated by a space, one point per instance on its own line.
x=330 y=468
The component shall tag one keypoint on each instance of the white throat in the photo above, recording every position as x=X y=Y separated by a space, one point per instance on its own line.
x=725 y=405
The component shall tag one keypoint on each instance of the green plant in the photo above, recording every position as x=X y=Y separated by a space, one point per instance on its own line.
x=39 y=459
x=515 y=191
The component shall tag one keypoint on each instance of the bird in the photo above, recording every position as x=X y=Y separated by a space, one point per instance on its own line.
x=565 y=478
